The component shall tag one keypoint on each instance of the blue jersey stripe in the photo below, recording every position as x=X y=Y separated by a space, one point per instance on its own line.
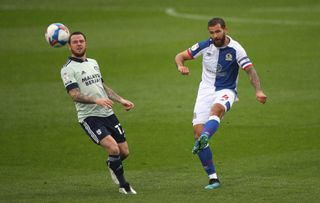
x=227 y=70
x=244 y=58
x=244 y=64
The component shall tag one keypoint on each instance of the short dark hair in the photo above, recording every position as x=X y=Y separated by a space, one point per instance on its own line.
x=216 y=21
x=77 y=33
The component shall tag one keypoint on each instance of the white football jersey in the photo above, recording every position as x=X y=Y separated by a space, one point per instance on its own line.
x=86 y=76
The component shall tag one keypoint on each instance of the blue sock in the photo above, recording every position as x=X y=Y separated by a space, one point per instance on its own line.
x=205 y=157
x=211 y=126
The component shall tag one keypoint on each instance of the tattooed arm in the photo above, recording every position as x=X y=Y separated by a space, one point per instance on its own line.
x=116 y=98
x=255 y=82
x=77 y=96
x=111 y=94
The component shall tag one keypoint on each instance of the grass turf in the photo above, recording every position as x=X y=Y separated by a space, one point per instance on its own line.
x=263 y=153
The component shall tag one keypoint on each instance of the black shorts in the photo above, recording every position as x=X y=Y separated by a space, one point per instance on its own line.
x=99 y=127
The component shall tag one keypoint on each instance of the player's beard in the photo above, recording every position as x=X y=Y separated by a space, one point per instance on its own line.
x=79 y=54
x=219 y=42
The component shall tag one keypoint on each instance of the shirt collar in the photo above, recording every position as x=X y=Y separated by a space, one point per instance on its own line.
x=77 y=59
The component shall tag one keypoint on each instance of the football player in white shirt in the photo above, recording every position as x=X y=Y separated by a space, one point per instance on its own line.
x=222 y=57
x=94 y=100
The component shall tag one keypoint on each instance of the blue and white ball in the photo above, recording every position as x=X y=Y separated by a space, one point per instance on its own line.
x=57 y=35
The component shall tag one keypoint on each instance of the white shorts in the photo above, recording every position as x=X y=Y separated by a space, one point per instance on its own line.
x=206 y=98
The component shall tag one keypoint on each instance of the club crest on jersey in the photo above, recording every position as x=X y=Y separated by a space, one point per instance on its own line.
x=96 y=68
x=229 y=57
x=195 y=47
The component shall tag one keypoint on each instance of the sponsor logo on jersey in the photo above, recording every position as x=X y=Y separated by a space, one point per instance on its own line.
x=91 y=79
x=219 y=68
x=219 y=71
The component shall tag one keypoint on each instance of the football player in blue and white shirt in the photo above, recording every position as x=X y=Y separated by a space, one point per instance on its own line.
x=222 y=57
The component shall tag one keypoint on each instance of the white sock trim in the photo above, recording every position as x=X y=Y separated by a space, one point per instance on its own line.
x=214 y=117
x=213 y=176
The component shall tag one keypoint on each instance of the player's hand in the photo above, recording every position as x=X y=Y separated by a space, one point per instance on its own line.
x=183 y=70
x=261 y=97
x=104 y=102
x=128 y=105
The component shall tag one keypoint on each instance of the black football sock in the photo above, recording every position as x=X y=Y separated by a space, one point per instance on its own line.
x=115 y=164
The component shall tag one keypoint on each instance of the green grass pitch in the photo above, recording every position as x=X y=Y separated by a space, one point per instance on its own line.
x=263 y=153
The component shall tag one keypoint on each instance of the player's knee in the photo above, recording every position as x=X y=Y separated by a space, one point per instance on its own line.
x=218 y=110
x=124 y=155
x=113 y=150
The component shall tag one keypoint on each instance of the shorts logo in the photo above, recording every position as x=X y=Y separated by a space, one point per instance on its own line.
x=99 y=132
x=224 y=98
x=229 y=57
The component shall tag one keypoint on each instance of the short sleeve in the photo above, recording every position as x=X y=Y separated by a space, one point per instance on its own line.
x=242 y=58
x=69 y=81
x=198 y=48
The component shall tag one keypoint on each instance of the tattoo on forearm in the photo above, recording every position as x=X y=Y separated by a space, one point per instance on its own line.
x=254 y=78
x=111 y=94
x=77 y=96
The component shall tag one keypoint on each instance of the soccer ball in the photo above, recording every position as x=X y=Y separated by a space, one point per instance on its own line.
x=57 y=35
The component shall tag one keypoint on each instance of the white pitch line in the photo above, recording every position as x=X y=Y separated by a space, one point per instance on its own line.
x=172 y=12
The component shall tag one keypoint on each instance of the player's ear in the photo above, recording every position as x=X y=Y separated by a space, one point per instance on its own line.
x=226 y=30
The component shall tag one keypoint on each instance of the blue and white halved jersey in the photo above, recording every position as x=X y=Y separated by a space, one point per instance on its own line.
x=220 y=65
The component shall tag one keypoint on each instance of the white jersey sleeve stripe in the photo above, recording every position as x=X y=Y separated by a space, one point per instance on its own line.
x=247 y=66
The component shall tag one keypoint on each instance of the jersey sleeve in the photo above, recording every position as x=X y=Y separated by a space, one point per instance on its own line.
x=198 y=48
x=67 y=76
x=242 y=58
